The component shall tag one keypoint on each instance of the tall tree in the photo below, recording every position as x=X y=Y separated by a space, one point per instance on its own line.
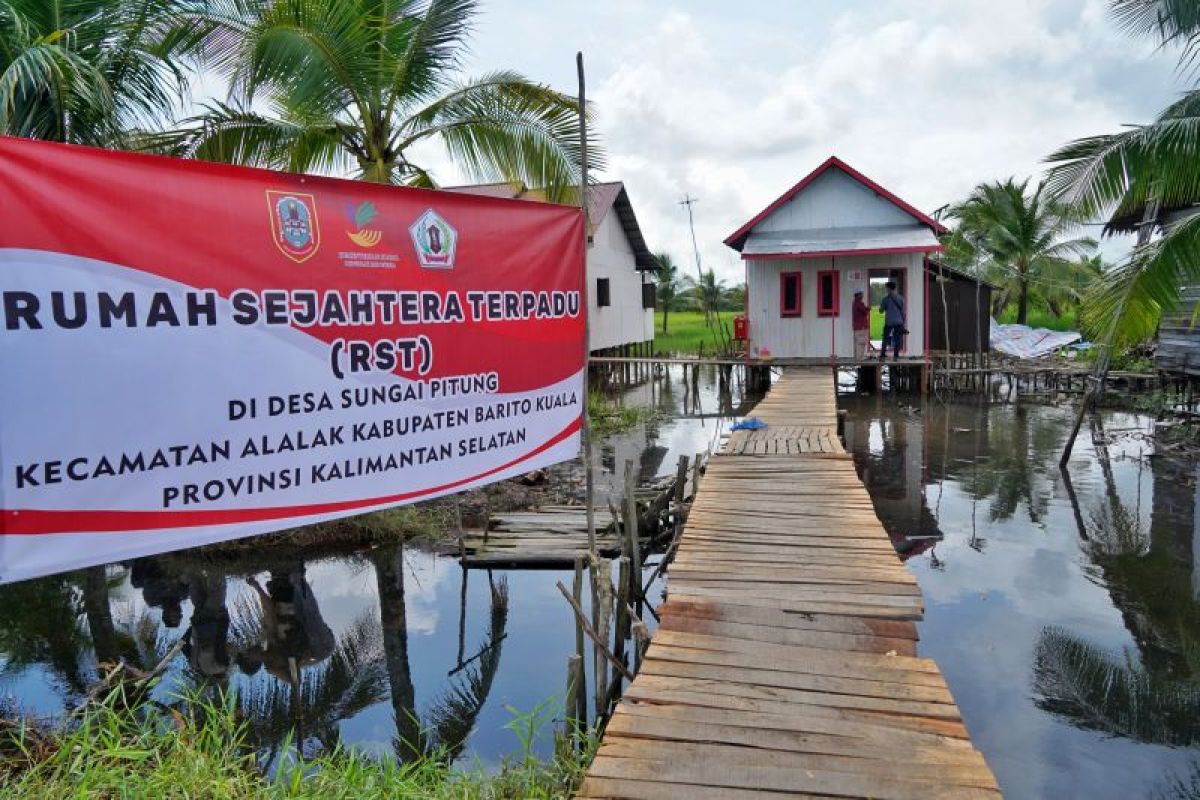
x=360 y=85
x=94 y=72
x=1144 y=180
x=1023 y=236
x=708 y=292
x=668 y=277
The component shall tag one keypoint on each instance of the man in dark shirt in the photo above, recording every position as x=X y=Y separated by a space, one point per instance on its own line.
x=892 y=307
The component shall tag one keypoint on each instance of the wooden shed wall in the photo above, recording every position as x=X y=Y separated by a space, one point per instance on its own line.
x=1179 y=340
x=965 y=321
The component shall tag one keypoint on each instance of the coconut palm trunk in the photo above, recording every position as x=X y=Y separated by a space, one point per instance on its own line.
x=389 y=577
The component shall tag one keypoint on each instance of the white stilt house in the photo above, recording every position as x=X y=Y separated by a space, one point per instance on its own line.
x=833 y=233
x=620 y=267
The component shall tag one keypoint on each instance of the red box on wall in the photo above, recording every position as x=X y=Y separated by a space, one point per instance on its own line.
x=741 y=327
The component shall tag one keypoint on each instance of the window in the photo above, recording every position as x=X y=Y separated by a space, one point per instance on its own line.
x=648 y=292
x=602 y=297
x=827 y=293
x=789 y=294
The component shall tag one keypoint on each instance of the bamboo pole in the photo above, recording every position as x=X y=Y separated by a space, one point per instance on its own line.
x=587 y=628
x=631 y=529
x=574 y=680
x=586 y=426
x=581 y=689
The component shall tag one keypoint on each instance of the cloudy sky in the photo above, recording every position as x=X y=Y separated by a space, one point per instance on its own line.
x=734 y=102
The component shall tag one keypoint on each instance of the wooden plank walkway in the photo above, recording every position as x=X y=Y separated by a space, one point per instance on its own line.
x=785 y=664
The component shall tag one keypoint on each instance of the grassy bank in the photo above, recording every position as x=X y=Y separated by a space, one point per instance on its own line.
x=687 y=332
x=201 y=752
x=1042 y=318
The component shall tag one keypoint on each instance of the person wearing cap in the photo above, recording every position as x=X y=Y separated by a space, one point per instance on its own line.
x=860 y=322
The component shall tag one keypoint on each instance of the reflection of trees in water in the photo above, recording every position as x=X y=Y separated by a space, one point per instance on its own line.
x=65 y=624
x=1097 y=690
x=1154 y=699
x=453 y=715
x=301 y=681
x=1021 y=449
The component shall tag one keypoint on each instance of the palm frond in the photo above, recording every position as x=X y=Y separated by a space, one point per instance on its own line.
x=1126 y=305
x=1170 y=22
x=236 y=135
x=1095 y=690
x=503 y=127
x=453 y=716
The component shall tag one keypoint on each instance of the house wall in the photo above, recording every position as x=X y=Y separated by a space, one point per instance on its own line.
x=966 y=323
x=624 y=321
x=810 y=336
x=1178 y=338
x=834 y=200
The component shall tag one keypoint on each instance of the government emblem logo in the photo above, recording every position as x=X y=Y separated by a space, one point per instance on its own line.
x=361 y=217
x=296 y=230
x=435 y=240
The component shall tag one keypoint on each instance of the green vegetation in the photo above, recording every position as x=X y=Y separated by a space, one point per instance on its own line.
x=362 y=86
x=313 y=85
x=93 y=72
x=201 y=750
x=667 y=282
x=690 y=334
x=609 y=417
x=1019 y=241
x=1134 y=180
x=1042 y=318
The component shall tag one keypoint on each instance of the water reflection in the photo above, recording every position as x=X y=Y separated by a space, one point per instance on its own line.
x=1062 y=608
x=390 y=649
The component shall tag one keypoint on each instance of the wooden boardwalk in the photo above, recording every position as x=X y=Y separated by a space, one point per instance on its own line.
x=785 y=664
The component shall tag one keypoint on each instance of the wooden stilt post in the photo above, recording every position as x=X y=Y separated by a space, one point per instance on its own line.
x=631 y=530
x=581 y=688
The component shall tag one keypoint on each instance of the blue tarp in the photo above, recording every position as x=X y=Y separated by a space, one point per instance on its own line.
x=749 y=424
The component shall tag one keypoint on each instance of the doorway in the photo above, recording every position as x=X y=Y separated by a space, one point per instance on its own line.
x=876 y=289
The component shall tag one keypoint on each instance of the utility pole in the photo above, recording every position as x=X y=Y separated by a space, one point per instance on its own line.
x=687 y=202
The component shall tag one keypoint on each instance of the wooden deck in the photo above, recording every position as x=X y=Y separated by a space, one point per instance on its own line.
x=785 y=664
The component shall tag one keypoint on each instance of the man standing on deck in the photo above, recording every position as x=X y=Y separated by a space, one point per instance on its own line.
x=892 y=307
x=860 y=323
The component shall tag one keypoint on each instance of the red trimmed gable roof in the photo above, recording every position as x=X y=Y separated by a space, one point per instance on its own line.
x=738 y=237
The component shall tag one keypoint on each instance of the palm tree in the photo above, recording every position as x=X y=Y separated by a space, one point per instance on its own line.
x=668 y=277
x=1100 y=691
x=1142 y=180
x=1022 y=236
x=358 y=85
x=94 y=72
x=708 y=292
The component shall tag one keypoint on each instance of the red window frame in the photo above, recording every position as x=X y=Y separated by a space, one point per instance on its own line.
x=835 y=309
x=785 y=311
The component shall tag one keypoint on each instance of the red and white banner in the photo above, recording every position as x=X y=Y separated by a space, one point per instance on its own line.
x=195 y=352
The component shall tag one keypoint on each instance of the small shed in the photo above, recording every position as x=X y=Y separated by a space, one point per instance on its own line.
x=959 y=310
x=833 y=233
x=1179 y=338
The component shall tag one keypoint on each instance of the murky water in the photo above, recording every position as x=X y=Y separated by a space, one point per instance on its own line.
x=1062 y=610
x=378 y=648
x=1064 y=614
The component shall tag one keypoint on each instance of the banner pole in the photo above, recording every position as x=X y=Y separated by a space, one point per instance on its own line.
x=586 y=426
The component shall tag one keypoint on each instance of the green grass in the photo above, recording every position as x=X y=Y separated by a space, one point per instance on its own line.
x=112 y=751
x=687 y=332
x=1041 y=318
x=608 y=417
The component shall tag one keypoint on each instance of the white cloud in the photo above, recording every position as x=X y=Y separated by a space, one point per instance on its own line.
x=928 y=98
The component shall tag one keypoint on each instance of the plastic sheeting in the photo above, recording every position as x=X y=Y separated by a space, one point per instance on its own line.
x=1022 y=341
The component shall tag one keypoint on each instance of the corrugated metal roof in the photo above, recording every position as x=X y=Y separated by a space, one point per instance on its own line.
x=835 y=241
x=601 y=198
